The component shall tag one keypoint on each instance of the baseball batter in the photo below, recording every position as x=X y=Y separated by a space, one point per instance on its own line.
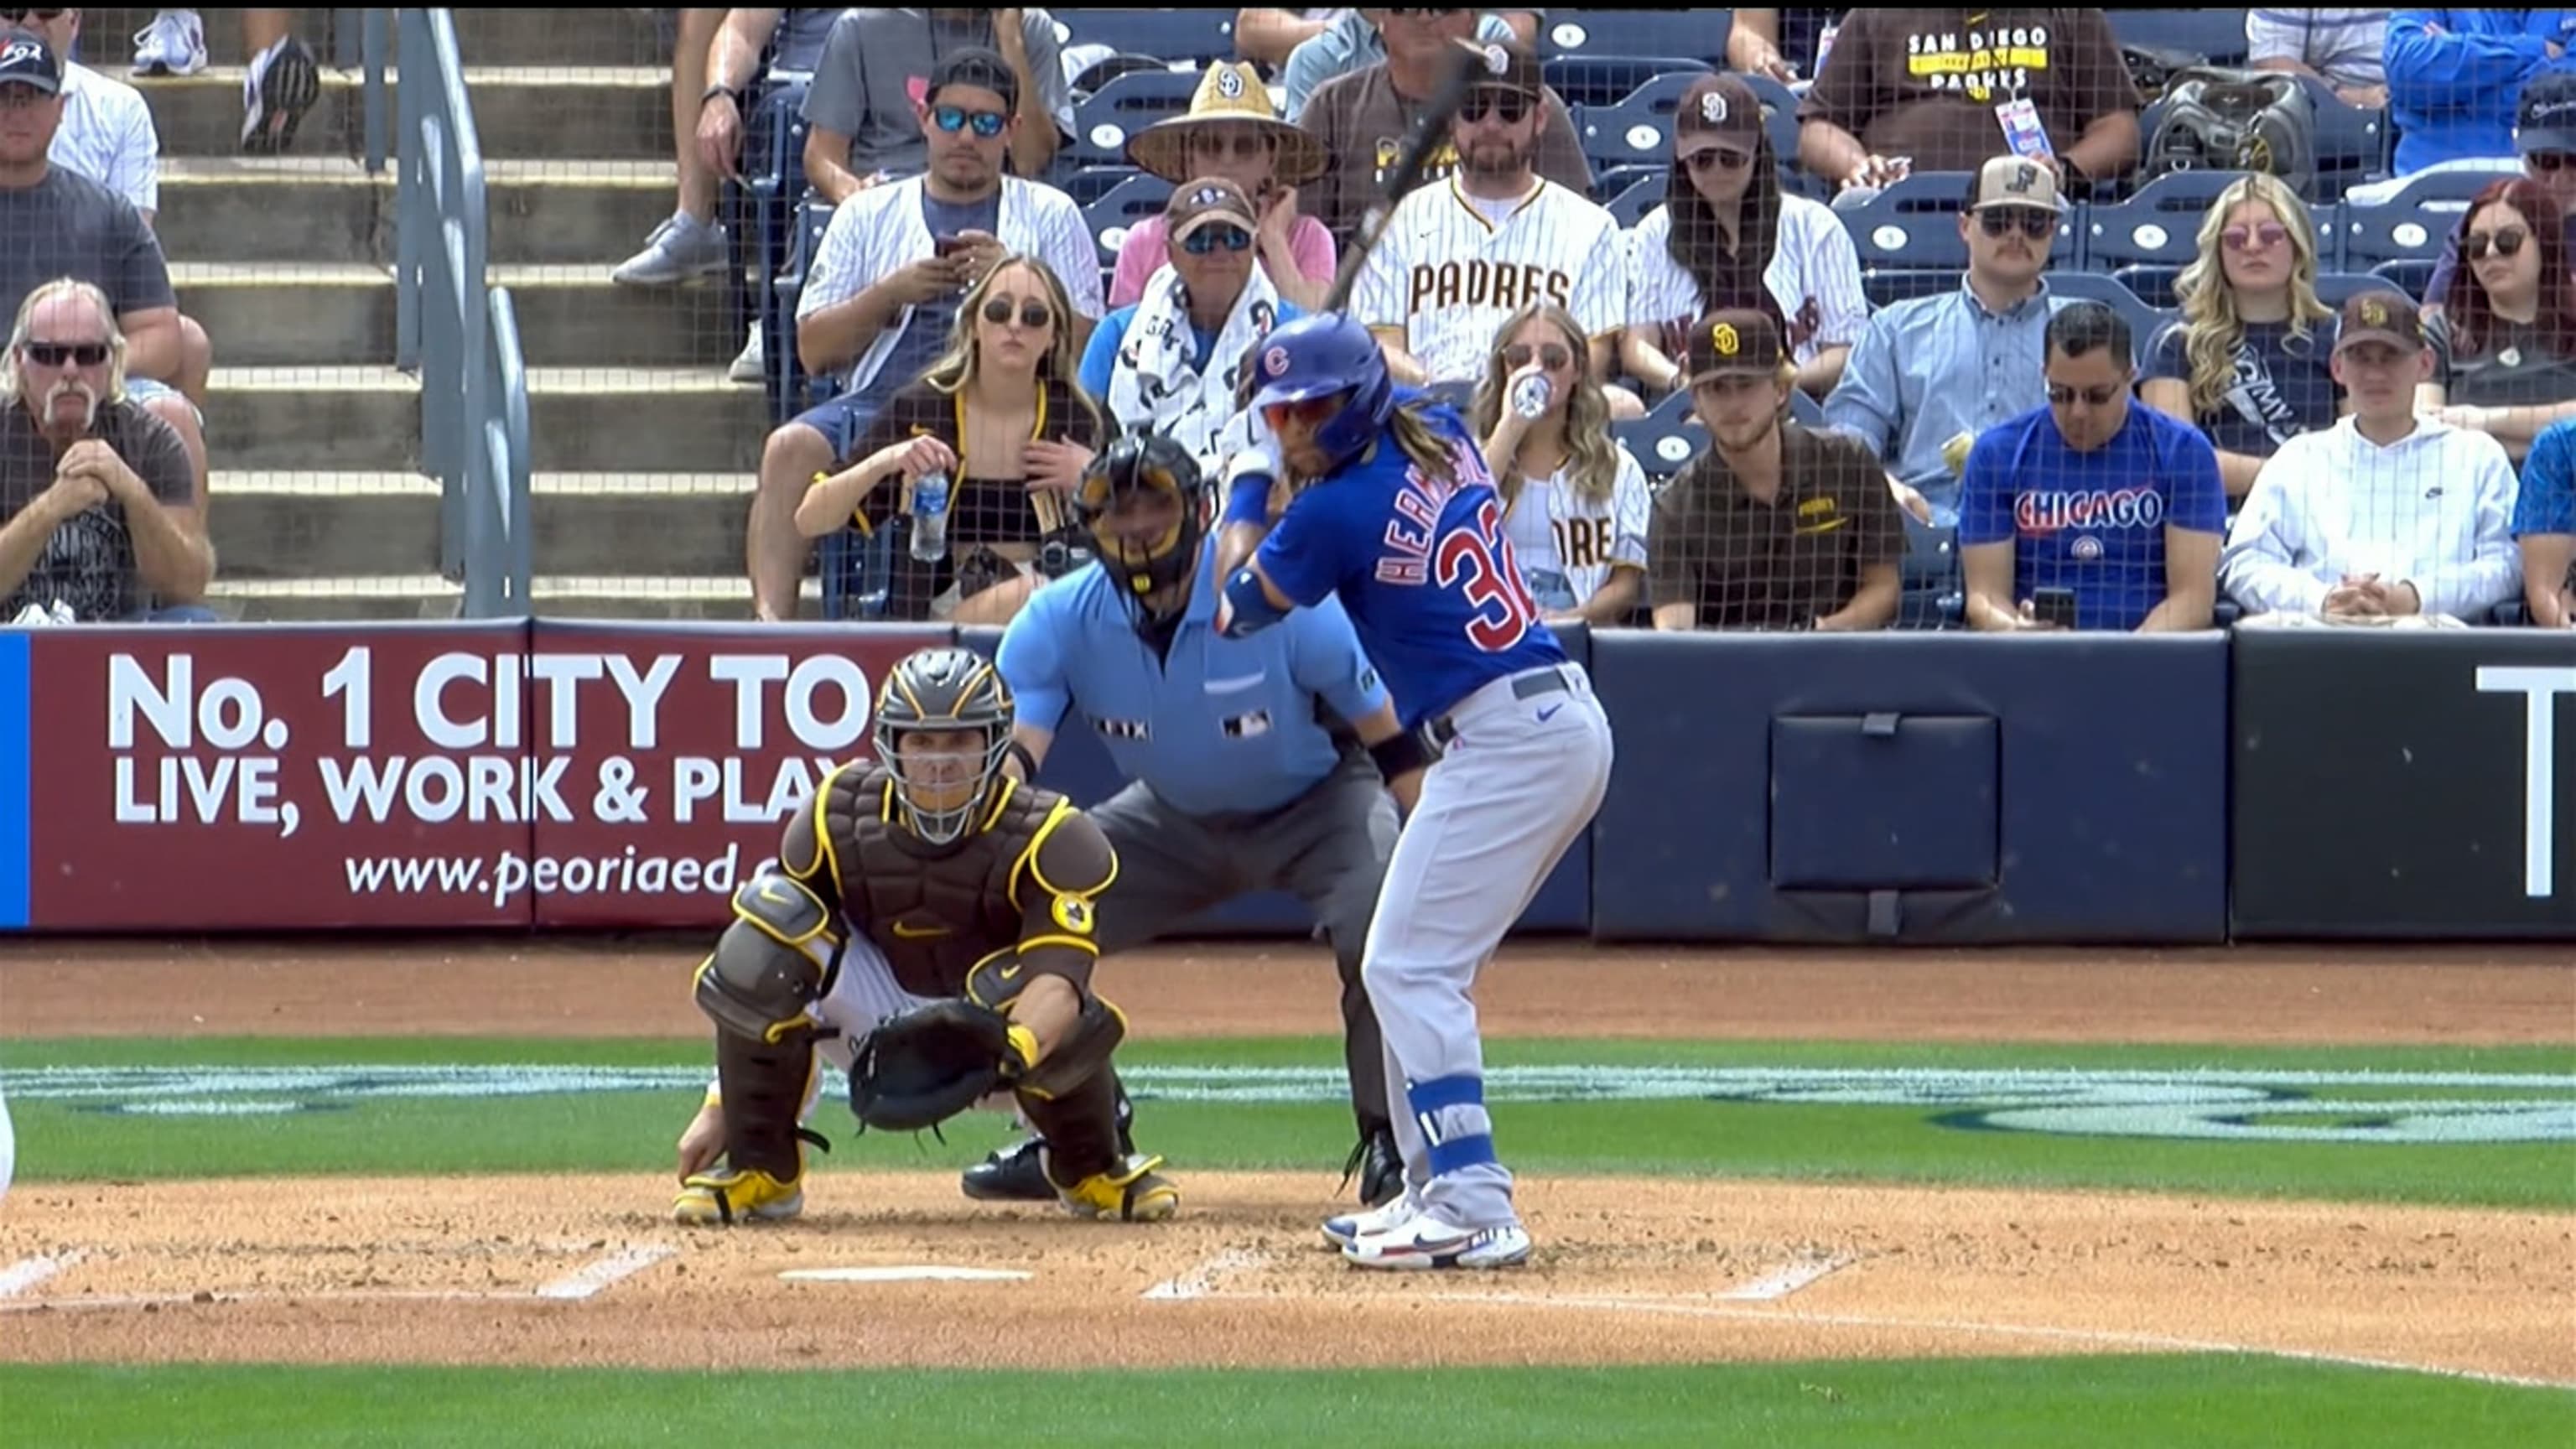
x=1461 y=256
x=927 y=874
x=1394 y=512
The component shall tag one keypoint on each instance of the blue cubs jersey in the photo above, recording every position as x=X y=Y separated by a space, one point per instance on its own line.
x=1423 y=568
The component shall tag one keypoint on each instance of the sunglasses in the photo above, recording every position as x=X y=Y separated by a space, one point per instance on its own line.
x=2099 y=397
x=1510 y=106
x=2255 y=239
x=2550 y=160
x=2505 y=243
x=1553 y=357
x=954 y=119
x=2033 y=222
x=1034 y=314
x=1309 y=413
x=56 y=354
x=1723 y=158
x=1209 y=238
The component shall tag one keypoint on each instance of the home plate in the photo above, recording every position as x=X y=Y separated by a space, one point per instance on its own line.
x=924 y=1273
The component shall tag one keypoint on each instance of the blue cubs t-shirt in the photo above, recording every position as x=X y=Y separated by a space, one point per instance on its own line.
x=1422 y=566
x=2091 y=522
x=2282 y=385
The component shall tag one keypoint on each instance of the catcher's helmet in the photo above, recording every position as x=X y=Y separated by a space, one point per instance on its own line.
x=1145 y=463
x=1315 y=357
x=940 y=690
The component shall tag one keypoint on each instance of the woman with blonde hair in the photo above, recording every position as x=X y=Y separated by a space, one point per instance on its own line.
x=2250 y=361
x=1576 y=501
x=1001 y=417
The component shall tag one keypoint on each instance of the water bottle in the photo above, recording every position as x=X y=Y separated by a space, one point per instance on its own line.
x=930 y=517
x=1531 y=395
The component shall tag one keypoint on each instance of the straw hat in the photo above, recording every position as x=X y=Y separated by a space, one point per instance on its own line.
x=1228 y=92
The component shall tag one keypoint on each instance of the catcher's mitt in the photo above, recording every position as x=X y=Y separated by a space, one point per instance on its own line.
x=927 y=1065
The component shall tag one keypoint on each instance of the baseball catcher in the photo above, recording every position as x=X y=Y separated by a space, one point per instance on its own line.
x=928 y=927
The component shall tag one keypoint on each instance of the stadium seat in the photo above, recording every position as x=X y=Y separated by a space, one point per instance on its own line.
x=2160 y=224
x=1885 y=287
x=1612 y=181
x=1088 y=184
x=1129 y=202
x=857 y=571
x=2413 y=276
x=1636 y=131
x=1804 y=410
x=2152 y=284
x=2410 y=225
x=787 y=384
x=1192 y=36
x=1933 y=596
x=2352 y=144
x=1630 y=206
x=2336 y=288
x=2144 y=321
x=1102 y=124
x=1606 y=80
x=1699 y=34
x=773 y=178
x=2217 y=34
x=1666 y=438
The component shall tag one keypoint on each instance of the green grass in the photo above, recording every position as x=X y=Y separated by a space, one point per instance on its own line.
x=2171 y=1402
x=634 y=1130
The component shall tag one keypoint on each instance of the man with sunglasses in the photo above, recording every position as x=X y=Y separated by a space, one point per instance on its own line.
x=2545 y=134
x=1250 y=759
x=2386 y=515
x=1458 y=258
x=882 y=292
x=864 y=110
x=1364 y=120
x=2114 y=503
x=1930 y=374
x=1172 y=362
x=97 y=505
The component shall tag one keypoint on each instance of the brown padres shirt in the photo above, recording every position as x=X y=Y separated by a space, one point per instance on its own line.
x=1748 y=564
x=1925 y=83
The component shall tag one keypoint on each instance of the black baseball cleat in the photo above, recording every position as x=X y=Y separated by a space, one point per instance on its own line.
x=1378 y=1166
x=1013 y=1176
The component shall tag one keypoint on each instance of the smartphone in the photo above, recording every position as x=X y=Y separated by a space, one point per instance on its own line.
x=947 y=246
x=2054 y=606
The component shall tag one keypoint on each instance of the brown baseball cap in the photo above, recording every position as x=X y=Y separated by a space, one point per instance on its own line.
x=1715 y=111
x=1205 y=202
x=2381 y=316
x=1739 y=341
x=1505 y=63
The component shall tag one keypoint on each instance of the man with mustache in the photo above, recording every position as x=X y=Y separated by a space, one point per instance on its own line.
x=97 y=510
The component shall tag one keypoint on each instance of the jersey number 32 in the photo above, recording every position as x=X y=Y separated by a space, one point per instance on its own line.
x=1479 y=563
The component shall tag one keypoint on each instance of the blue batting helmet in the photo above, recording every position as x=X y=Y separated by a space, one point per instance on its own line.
x=1315 y=357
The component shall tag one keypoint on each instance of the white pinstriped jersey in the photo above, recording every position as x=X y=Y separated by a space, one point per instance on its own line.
x=1813 y=276
x=1567 y=544
x=1451 y=269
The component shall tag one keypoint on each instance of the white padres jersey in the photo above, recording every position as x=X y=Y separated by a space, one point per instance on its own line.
x=1813 y=277
x=1450 y=270
x=1568 y=544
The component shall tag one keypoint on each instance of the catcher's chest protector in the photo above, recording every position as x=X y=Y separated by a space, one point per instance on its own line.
x=934 y=916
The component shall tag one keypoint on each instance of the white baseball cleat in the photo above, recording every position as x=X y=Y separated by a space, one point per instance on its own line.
x=1427 y=1241
x=1398 y=1210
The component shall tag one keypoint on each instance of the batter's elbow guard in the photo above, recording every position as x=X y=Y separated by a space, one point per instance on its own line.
x=1249 y=602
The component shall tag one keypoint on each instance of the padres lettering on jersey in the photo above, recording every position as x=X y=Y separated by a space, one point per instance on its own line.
x=1485 y=284
x=1582 y=543
x=1977 y=62
x=1451 y=268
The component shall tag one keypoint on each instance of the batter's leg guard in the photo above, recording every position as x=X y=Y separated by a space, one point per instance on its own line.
x=764 y=1086
x=1086 y=1161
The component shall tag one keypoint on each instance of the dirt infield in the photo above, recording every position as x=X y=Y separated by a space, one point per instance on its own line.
x=590 y=1271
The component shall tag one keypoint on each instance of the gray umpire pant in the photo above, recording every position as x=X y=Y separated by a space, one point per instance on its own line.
x=1328 y=847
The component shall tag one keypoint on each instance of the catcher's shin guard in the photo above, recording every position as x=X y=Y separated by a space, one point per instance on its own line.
x=1086 y=1160
x=764 y=1088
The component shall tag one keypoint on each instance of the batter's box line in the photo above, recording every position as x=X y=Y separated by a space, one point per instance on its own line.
x=2142 y=1342
x=585 y=1282
x=1201 y=1281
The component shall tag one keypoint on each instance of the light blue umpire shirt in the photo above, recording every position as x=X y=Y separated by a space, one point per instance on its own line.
x=1220 y=726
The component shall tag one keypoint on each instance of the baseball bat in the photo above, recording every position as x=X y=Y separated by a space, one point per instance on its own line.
x=1464 y=69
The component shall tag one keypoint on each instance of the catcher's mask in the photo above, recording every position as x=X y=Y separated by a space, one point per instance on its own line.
x=1145 y=504
x=943 y=691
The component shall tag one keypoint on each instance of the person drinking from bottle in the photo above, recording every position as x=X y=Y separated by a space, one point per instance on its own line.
x=998 y=419
x=1575 y=499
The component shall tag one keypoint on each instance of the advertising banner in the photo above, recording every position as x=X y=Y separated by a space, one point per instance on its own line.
x=2405 y=784
x=416 y=776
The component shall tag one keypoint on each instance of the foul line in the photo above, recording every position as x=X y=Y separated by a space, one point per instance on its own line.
x=2148 y=1341
x=26 y=1273
x=611 y=1269
x=213 y=1299
x=1784 y=1280
x=1200 y=1282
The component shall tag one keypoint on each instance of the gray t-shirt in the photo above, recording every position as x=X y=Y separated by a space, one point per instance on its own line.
x=876 y=67
x=70 y=226
x=797 y=44
x=89 y=562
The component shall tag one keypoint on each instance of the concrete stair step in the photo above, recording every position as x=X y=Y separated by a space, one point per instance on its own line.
x=328 y=210
x=428 y=596
x=327 y=419
x=557 y=37
x=520 y=111
x=284 y=315
x=285 y=526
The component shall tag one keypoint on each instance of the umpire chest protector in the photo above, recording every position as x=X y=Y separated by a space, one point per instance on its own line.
x=935 y=910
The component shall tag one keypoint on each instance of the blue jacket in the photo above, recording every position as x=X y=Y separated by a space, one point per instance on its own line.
x=2452 y=94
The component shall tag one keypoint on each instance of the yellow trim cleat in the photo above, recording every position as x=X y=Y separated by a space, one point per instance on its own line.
x=726 y=1196
x=1137 y=1194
